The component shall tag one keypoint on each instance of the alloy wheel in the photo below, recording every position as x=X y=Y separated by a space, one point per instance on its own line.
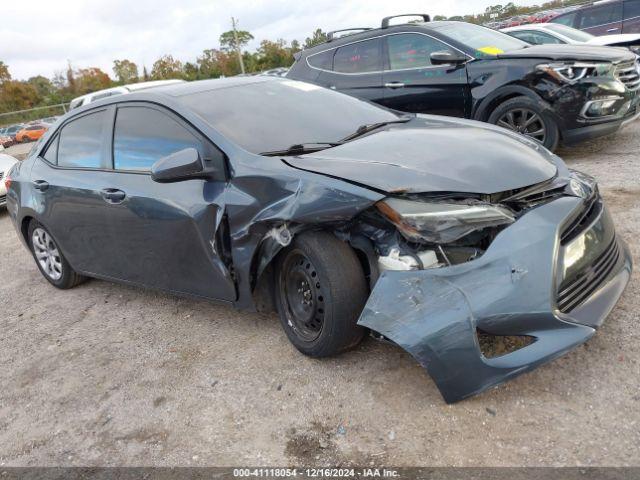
x=47 y=254
x=302 y=292
x=526 y=122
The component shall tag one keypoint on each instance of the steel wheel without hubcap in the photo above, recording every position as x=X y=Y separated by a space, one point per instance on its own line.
x=47 y=254
x=301 y=290
x=525 y=122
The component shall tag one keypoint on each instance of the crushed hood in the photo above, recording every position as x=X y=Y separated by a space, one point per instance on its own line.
x=433 y=155
x=572 y=52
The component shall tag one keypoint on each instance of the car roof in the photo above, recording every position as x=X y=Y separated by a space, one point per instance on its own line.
x=188 y=88
x=532 y=26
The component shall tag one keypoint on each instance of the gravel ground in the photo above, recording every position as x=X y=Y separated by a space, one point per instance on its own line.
x=111 y=375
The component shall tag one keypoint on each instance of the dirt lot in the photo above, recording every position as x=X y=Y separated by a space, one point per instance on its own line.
x=111 y=375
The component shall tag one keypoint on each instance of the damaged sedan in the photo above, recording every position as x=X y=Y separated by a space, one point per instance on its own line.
x=437 y=234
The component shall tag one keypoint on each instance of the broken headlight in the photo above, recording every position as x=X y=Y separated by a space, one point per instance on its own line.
x=582 y=185
x=441 y=222
x=572 y=72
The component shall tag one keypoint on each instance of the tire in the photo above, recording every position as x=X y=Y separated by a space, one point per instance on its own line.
x=320 y=314
x=25 y=139
x=61 y=275
x=516 y=112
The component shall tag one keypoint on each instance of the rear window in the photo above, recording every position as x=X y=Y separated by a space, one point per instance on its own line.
x=572 y=33
x=322 y=60
x=567 y=19
x=80 y=143
x=360 y=57
x=265 y=116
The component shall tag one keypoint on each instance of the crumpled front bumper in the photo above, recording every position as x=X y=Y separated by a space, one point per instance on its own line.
x=511 y=290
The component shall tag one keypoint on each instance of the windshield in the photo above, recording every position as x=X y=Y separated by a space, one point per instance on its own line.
x=485 y=41
x=572 y=33
x=273 y=115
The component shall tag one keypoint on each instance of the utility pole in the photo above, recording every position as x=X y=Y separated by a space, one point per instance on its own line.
x=235 y=37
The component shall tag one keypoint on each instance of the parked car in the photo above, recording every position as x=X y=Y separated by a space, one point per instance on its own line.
x=546 y=33
x=342 y=215
x=124 y=89
x=604 y=18
x=31 y=133
x=6 y=162
x=551 y=93
x=12 y=130
x=6 y=141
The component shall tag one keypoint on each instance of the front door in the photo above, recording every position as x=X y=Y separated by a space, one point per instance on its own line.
x=167 y=234
x=603 y=19
x=412 y=84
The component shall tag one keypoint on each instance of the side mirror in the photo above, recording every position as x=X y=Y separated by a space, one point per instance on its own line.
x=182 y=165
x=448 y=58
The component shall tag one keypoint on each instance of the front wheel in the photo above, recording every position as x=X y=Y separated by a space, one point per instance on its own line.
x=320 y=292
x=525 y=116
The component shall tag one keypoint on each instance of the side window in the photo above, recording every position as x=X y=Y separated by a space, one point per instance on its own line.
x=323 y=60
x=603 y=15
x=51 y=155
x=631 y=9
x=144 y=135
x=525 y=37
x=541 y=38
x=411 y=50
x=360 y=57
x=80 y=143
x=568 y=19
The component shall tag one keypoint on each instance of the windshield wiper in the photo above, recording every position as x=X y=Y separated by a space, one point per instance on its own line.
x=364 y=129
x=300 y=148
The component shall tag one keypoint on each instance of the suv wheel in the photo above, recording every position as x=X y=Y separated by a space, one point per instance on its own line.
x=51 y=263
x=523 y=115
x=320 y=292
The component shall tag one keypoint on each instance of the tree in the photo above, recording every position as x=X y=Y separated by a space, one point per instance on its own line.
x=89 y=80
x=228 y=40
x=274 y=54
x=4 y=72
x=43 y=86
x=145 y=74
x=16 y=95
x=317 y=37
x=125 y=71
x=71 y=81
x=166 y=67
x=191 y=71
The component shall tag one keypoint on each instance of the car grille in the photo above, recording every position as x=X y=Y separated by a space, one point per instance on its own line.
x=628 y=74
x=3 y=199
x=575 y=291
x=1 y=175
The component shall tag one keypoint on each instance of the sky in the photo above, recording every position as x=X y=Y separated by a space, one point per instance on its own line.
x=40 y=39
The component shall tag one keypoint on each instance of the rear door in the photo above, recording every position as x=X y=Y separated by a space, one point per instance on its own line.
x=168 y=235
x=605 y=19
x=413 y=84
x=631 y=17
x=67 y=179
x=355 y=69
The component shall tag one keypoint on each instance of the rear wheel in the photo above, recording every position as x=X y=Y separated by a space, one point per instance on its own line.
x=51 y=263
x=320 y=292
x=523 y=115
x=25 y=139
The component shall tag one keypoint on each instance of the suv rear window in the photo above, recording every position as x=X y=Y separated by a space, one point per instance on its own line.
x=359 y=57
x=568 y=19
x=322 y=60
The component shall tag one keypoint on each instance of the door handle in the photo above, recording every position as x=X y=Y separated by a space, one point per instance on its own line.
x=113 y=195
x=40 y=185
x=394 y=85
x=612 y=30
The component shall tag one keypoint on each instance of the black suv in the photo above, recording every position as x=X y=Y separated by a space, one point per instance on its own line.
x=552 y=93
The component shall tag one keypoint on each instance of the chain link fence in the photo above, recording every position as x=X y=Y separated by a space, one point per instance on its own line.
x=32 y=114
